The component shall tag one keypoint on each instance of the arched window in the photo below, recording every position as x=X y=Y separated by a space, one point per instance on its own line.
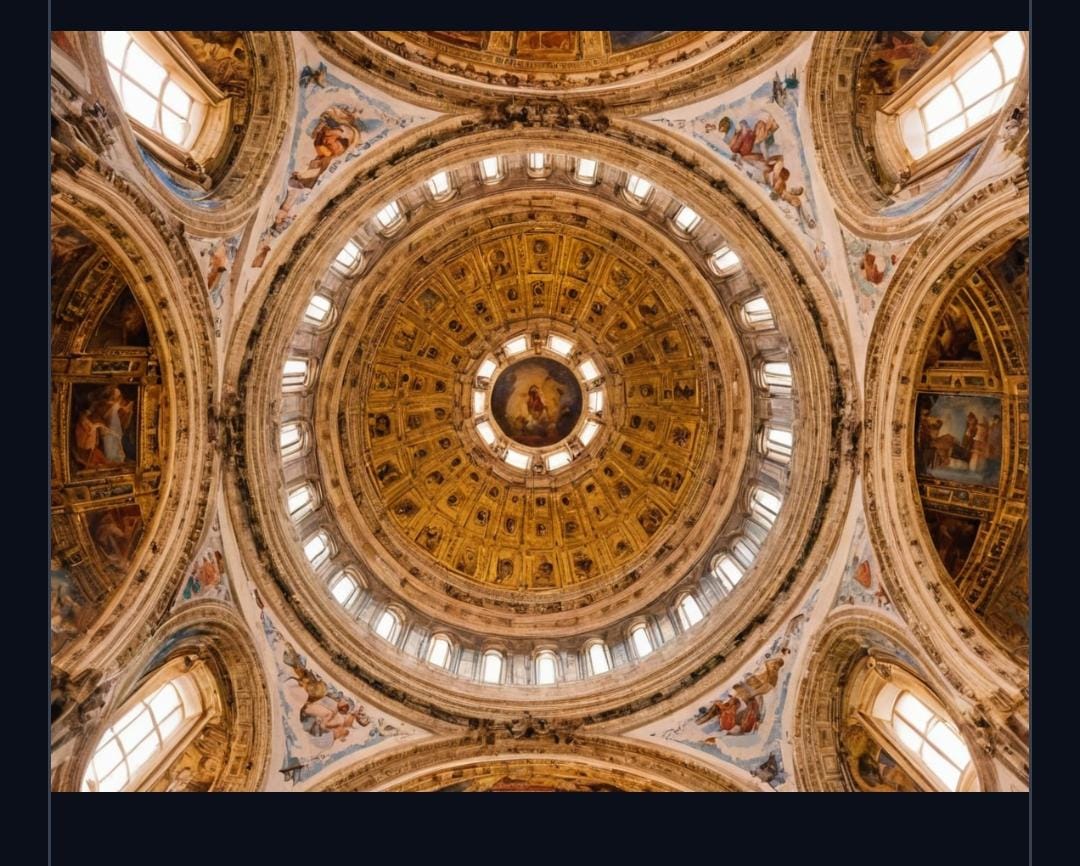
x=776 y=376
x=492 y=667
x=637 y=189
x=776 y=444
x=318 y=310
x=154 y=91
x=345 y=589
x=765 y=506
x=349 y=260
x=291 y=439
x=439 y=651
x=317 y=549
x=973 y=88
x=546 y=668
x=639 y=636
x=724 y=261
x=144 y=736
x=929 y=736
x=538 y=164
x=727 y=572
x=745 y=551
x=598 y=658
x=756 y=315
x=491 y=169
x=440 y=186
x=390 y=218
x=898 y=735
x=686 y=219
x=294 y=374
x=388 y=626
x=586 y=171
x=689 y=611
x=301 y=501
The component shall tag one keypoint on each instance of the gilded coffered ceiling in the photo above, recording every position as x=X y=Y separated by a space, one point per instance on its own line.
x=420 y=475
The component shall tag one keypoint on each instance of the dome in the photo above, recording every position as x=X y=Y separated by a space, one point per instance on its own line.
x=539 y=410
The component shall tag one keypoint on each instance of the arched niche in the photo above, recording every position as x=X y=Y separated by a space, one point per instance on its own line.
x=130 y=366
x=225 y=743
x=108 y=425
x=868 y=80
x=844 y=740
x=951 y=266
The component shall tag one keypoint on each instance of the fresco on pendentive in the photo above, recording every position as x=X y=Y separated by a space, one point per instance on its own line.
x=207 y=577
x=861 y=580
x=104 y=426
x=872 y=767
x=336 y=122
x=872 y=265
x=322 y=723
x=958 y=438
x=536 y=402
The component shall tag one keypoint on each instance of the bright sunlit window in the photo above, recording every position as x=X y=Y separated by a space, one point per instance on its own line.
x=588 y=432
x=516 y=459
x=560 y=345
x=689 y=611
x=141 y=733
x=439 y=651
x=777 y=444
x=344 y=589
x=294 y=373
x=440 y=186
x=301 y=501
x=318 y=310
x=490 y=169
x=776 y=376
x=317 y=549
x=598 y=660
x=765 y=505
x=639 y=634
x=724 y=261
x=973 y=90
x=936 y=742
x=516 y=346
x=545 y=668
x=388 y=626
x=537 y=164
x=638 y=189
x=486 y=368
x=149 y=93
x=585 y=170
x=348 y=260
x=686 y=219
x=757 y=314
x=588 y=370
x=291 y=439
x=389 y=216
x=727 y=571
x=557 y=460
x=492 y=666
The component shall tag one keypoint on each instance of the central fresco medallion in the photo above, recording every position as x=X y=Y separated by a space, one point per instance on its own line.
x=536 y=402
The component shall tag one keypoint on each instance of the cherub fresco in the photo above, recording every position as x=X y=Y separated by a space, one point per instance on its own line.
x=336 y=132
x=325 y=711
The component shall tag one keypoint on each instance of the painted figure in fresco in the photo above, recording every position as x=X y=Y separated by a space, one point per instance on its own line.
x=741 y=710
x=99 y=430
x=116 y=532
x=337 y=131
x=64 y=610
x=206 y=574
x=873 y=768
x=326 y=710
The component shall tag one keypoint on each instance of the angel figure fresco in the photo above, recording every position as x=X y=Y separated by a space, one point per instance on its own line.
x=100 y=428
x=741 y=710
x=325 y=710
x=336 y=132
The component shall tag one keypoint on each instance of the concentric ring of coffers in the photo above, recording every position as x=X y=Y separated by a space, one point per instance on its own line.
x=577 y=652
